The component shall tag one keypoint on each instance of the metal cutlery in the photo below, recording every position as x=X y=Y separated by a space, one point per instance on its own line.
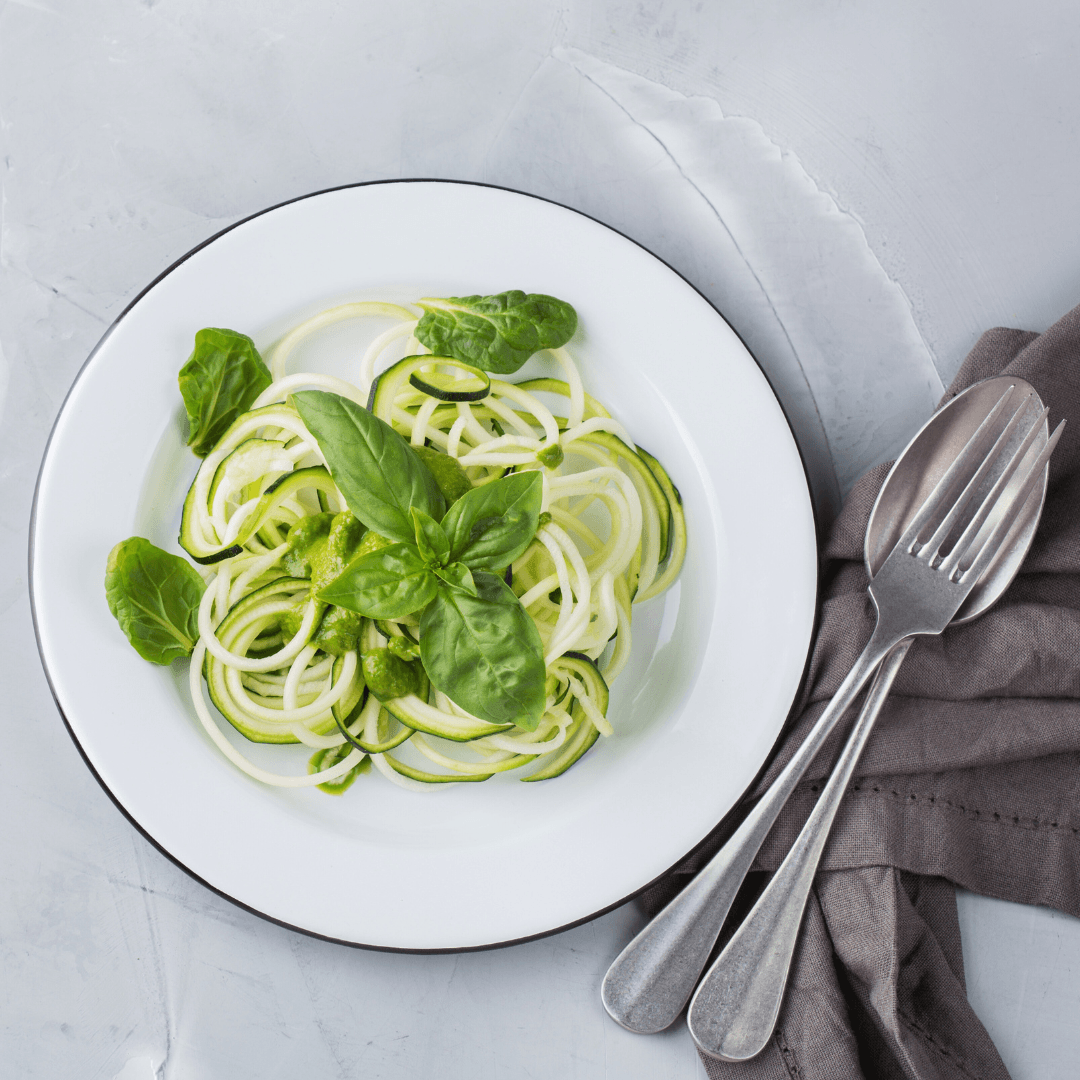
x=962 y=542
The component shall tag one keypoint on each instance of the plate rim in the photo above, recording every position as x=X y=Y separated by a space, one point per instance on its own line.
x=726 y=822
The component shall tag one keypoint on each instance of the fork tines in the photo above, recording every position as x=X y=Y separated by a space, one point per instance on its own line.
x=1011 y=503
x=971 y=471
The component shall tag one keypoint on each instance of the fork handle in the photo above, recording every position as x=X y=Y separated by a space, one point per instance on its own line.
x=651 y=980
x=733 y=1012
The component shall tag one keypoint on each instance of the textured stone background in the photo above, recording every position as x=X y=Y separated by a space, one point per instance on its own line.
x=860 y=187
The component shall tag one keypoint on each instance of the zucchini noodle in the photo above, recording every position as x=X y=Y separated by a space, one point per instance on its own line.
x=612 y=533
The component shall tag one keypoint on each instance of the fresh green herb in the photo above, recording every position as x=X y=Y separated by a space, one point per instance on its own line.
x=431 y=539
x=497 y=333
x=435 y=565
x=376 y=470
x=155 y=598
x=385 y=584
x=492 y=525
x=484 y=530
x=222 y=377
x=484 y=653
x=457 y=576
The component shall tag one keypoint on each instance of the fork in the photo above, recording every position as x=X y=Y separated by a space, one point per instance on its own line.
x=917 y=590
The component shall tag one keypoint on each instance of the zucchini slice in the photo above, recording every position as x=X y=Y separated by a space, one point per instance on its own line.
x=434 y=778
x=344 y=718
x=677 y=545
x=562 y=388
x=446 y=383
x=640 y=469
x=583 y=733
x=579 y=739
x=191 y=541
x=348 y=706
x=385 y=388
x=417 y=714
x=257 y=609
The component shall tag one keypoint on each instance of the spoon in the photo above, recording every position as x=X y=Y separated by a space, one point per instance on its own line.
x=651 y=980
x=733 y=1012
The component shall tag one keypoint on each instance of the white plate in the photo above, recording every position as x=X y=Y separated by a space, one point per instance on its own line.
x=717 y=661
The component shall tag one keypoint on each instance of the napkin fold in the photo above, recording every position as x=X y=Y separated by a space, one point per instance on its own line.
x=971 y=778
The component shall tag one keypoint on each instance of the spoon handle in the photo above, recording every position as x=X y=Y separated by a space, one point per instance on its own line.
x=733 y=1012
x=651 y=980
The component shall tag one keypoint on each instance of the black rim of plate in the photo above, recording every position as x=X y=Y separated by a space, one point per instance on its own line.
x=723 y=826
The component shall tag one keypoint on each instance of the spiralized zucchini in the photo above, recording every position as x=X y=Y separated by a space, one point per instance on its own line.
x=612 y=534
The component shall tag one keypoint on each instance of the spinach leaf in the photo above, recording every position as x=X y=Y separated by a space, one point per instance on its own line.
x=458 y=576
x=490 y=526
x=384 y=584
x=377 y=471
x=155 y=598
x=220 y=380
x=497 y=333
x=431 y=540
x=484 y=653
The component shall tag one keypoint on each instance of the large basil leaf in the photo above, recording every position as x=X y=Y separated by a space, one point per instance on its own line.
x=222 y=377
x=497 y=333
x=385 y=584
x=484 y=653
x=490 y=526
x=375 y=468
x=155 y=598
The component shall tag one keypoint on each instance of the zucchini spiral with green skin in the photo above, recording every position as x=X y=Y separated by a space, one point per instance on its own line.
x=284 y=667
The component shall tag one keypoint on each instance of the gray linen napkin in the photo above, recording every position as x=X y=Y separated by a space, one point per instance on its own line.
x=971 y=778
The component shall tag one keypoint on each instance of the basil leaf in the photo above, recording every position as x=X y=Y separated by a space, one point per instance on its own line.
x=490 y=526
x=220 y=380
x=375 y=468
x=385 y=584
x=484 y=653
x=155 y=598
x=458 y=576
x=497 y=333
x=431 y=541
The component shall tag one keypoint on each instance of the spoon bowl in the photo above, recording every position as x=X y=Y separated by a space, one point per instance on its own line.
x=922 y=465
